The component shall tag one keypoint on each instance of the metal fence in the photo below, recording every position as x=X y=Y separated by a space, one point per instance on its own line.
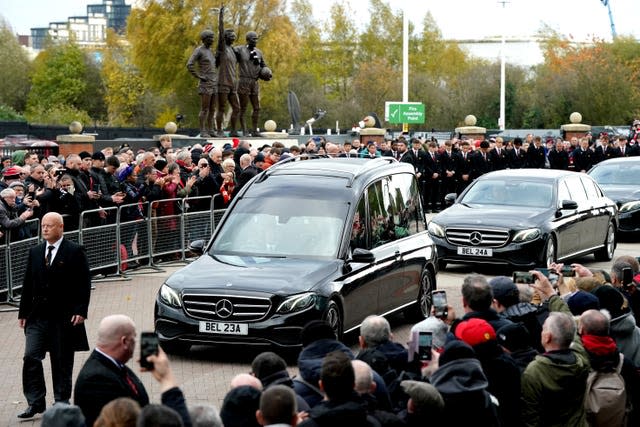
x=117 y=246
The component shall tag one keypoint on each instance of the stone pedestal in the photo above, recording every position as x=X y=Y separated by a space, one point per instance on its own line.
x=75 y=142
x=575 y=128
x=470 y=130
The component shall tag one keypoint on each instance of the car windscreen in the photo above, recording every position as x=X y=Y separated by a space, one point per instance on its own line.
x=510 y=193
x=282 y=227
x=617 y=173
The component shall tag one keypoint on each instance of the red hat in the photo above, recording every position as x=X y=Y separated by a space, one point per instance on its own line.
x=475 y=331
x=12 y=171
x=236 y=142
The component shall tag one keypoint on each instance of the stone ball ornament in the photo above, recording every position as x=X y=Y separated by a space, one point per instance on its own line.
x=170 y=127
x=470 y=120
x=270 y=126
x=75 y=127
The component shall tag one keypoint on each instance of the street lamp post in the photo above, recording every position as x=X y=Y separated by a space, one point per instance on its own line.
x=502 y=119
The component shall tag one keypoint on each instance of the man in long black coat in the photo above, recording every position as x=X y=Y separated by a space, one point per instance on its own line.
x=53 y=307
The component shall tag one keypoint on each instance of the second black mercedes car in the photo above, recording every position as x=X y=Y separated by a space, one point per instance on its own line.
x=526 y=218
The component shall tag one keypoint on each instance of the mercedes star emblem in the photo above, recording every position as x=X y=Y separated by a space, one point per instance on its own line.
x=475 y=238
x=224 y=308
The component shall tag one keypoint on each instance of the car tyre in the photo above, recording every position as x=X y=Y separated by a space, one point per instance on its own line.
x=175 y=347
x=606 y=253
x=422 y=308
x=333 y=316
x=550 y=251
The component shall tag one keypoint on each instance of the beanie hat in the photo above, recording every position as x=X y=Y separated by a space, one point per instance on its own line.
x=582 y=301
x=611 y=299
x=475 y=331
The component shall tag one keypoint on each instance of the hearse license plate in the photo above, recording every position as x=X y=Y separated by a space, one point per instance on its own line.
x=471 y=251
x=224 y=328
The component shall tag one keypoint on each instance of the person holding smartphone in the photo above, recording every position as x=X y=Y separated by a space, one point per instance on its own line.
x=105 y=375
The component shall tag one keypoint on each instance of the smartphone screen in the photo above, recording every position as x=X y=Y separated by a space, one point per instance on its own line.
x=627 y=276
x=439 y=299
x=544 y=271
x=523 y=277
x=148 y=346
x=424 y=345
x=567 y=271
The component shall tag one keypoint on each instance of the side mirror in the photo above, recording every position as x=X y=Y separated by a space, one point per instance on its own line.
x=197 y=246
x=363 y=256
x=569 y=204
x=450 y=199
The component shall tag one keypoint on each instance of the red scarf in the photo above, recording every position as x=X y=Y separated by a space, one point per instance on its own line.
x=600 y=346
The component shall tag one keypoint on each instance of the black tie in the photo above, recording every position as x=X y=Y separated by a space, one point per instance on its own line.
x=49 y=254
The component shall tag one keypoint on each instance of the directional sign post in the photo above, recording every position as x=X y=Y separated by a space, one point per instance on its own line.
x=404 y=112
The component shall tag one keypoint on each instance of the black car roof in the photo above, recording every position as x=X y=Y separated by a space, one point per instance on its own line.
x=529 y=174
x=619 y=160
x=355 y=172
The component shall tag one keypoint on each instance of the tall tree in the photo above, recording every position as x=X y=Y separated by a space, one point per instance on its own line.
x=125 y=88
x=14 y=70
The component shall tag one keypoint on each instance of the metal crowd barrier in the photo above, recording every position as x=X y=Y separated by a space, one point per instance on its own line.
x=115 y=244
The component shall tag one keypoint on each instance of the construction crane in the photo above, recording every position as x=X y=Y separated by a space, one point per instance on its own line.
x=613 y=25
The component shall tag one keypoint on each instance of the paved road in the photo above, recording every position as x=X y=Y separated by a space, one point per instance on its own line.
x=205 y=374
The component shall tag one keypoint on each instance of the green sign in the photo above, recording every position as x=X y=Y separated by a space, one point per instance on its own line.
x=404 y=112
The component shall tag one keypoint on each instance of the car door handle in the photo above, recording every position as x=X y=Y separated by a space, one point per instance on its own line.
x=398 y=256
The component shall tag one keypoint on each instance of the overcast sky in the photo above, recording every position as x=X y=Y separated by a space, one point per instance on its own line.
x=457 y=19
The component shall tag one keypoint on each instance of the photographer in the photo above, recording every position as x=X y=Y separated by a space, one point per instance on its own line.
x=65 y=203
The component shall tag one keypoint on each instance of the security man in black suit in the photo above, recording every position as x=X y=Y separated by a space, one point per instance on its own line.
x=448 y=166
x=517 y=156
x=535 y=154
x=463 y=168
x=433 y=177
x=559 y=157
x=480 y=163
x=498 y=157
x=583 y=156
x=53 y=308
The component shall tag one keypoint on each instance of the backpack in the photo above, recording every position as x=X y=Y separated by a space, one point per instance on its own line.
x=606 y=400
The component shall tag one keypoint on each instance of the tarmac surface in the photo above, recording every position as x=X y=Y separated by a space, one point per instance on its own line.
x=204 y=373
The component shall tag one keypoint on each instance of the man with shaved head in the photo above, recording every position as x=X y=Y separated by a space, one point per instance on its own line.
x=105 y=376
x=53 y=307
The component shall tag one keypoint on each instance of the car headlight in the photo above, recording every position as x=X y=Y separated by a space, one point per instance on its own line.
x=630 y=206
x=169 y=296
x=297 y=303
x=435 y=229
x=526 y=235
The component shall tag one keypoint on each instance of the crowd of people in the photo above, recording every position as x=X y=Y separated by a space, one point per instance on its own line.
x=547 y=353
x=33 y=185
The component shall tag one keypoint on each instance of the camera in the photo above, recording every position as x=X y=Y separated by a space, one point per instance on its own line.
x=59 y=172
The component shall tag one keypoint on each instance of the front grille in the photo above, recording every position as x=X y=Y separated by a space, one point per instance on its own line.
x=226 y=308
x=477 y=237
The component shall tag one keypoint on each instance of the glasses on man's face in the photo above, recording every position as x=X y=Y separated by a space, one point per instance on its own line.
x=203 y=165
